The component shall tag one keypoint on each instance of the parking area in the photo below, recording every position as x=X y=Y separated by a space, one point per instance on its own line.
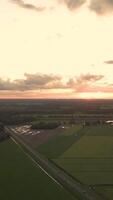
x=36 y=137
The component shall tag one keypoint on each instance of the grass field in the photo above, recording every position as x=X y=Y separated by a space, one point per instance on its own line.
x=61 y=142
x=93 y=146
x=20 y=178
x=103 y=130
x=90 y=159
x=106 y=191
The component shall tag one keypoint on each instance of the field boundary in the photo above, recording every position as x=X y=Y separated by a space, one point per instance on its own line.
x=78 y=190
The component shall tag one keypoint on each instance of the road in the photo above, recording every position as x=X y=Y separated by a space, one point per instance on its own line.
x=60 y=176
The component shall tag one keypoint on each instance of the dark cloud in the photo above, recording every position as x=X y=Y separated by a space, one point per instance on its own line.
x=101 y=6
x=32 y=82
x=73 y=4
x=22 y=4
x=90 y=83
x=84 y=79
x=89 y=78
x=43 y=82
x=109 y=62
x=84 y=83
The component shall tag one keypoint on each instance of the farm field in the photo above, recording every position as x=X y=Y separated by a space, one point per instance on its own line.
x=58 y=144
x=90 y=159
x=20 y=178
x=106 y=191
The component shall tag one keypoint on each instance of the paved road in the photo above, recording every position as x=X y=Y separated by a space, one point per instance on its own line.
x=76 y=188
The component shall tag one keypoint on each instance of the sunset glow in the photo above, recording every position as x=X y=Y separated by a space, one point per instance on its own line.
x=56 y=49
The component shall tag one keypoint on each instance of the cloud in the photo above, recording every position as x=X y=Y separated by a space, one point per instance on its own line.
x=84 y=79
x=85 y=83
x=109 y=62
x=101 y=7
x=44 y=81
x=89 y=78
x=73 y=4
x=29 y=6
x=32 y=82
x=35 y=85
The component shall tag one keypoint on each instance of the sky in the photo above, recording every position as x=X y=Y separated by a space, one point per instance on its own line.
x=56 y=49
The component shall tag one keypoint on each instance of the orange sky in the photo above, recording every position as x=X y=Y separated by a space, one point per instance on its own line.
x=56 y=49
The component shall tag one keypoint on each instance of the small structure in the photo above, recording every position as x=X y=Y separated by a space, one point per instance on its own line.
x=3 y=134
x=91 y=123
x=109 y=122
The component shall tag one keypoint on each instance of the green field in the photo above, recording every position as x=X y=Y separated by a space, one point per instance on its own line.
x=106 y=191
x=61 y=142
x=103 y=130
x=20 y=178
x=90 y=159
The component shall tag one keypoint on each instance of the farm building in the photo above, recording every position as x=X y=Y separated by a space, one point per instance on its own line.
x=91 y=122
x=109 y=122
x=3 y=134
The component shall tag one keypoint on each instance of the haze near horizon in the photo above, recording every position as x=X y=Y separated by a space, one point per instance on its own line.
x=56 y=49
